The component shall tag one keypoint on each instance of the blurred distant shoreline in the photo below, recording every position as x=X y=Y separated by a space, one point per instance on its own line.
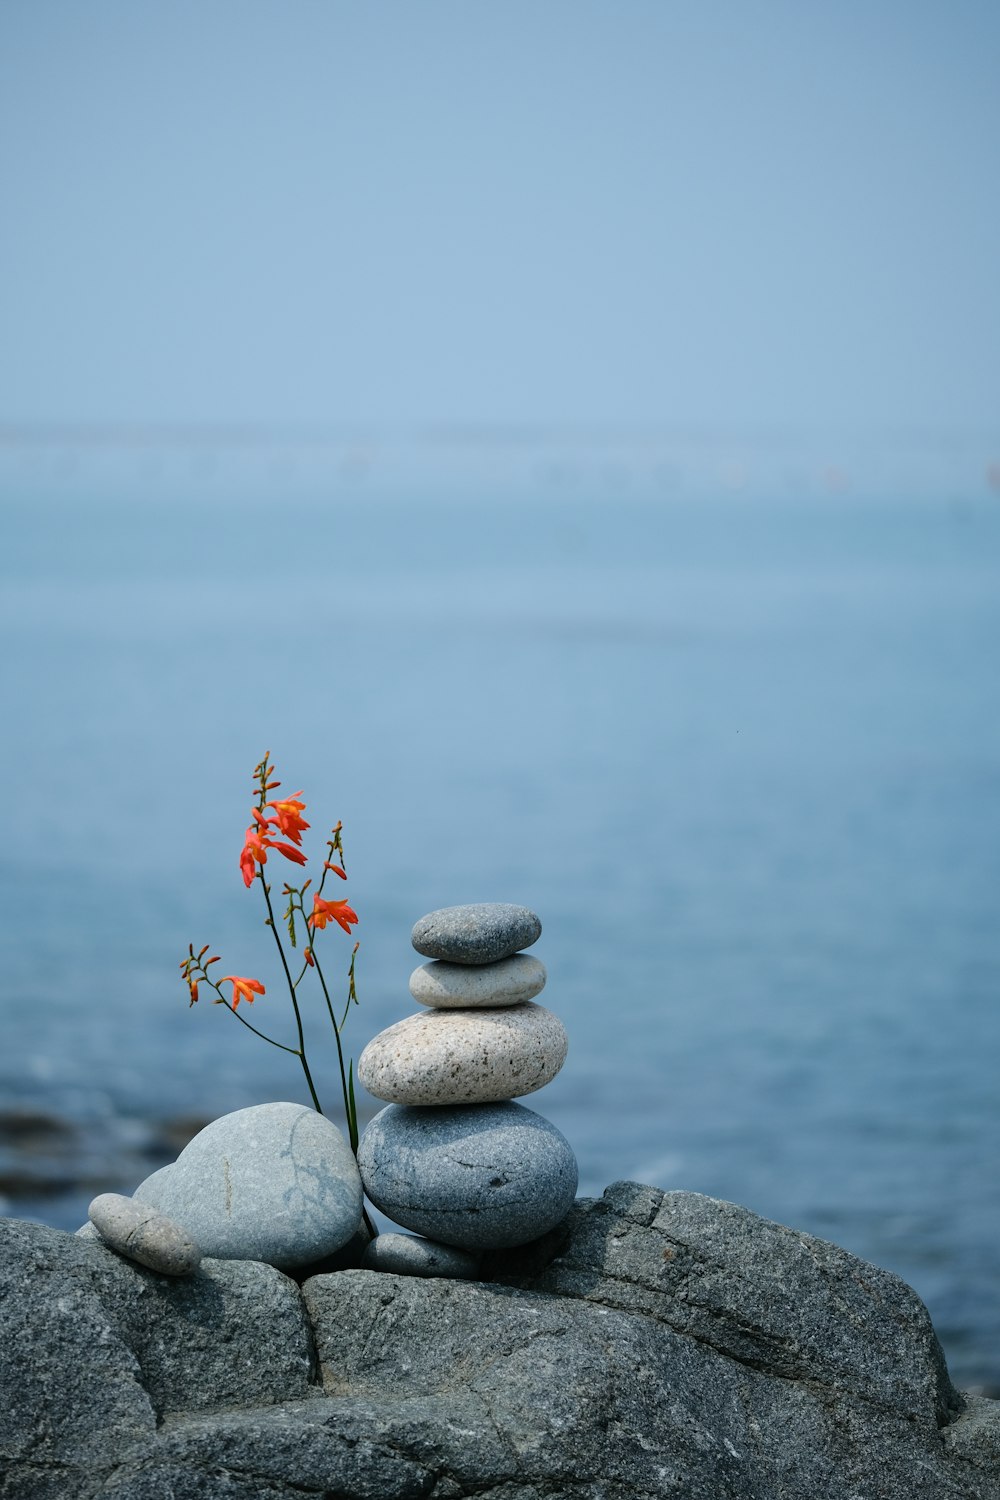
x=489 y=461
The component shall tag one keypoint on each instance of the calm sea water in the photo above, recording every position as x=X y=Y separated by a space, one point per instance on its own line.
x=742 y=754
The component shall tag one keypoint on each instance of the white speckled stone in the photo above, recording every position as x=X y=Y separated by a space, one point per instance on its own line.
x=144 y=1235
x=478 y=934
x=464 y=1056
x=411 y=1255
x=275 y=1182
x=483 y=1177
x=468 y=987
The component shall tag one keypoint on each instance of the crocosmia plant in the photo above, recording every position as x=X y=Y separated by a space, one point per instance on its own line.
x=276 y=827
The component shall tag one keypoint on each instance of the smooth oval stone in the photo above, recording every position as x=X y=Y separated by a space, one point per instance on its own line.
x=480 y=934
x=144 y=1235
x=410 y=1255
x=482 y=1177
x=465 y=986
x=275 y=1182
x=464 y=1056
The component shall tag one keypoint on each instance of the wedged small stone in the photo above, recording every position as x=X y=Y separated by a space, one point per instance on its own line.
x=446 y=986
x=275 y=1182
x=412 y=1255
x=480 y=1177
x=144 y=1235
x=464 y=1056
x=478 y=934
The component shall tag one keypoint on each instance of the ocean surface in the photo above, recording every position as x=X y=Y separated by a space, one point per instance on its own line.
x=738 y=744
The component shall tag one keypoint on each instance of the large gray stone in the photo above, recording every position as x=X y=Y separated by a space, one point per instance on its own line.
x=748 y=1363
x=478 y=934
x=275 y=1182
x=464 y=1056
x=476 y=1176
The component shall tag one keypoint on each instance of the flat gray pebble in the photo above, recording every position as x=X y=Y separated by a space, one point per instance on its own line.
x=445 y=986
x=478 y=934
x=482 y=1177
x=144 y=1235
x=411 y=1255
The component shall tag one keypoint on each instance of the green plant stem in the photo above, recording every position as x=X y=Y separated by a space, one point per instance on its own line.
x=291 y=990
x=352 y=1122
x=261 y=1034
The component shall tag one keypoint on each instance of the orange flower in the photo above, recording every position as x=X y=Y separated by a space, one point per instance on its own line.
x=243 y=989
x=253 y=851
x=337 y=869
x=193 y=987
x=338 y=911
x=288 y=820
x=308 y=956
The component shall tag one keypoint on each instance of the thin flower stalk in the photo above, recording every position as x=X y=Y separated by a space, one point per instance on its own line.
x=276 y=827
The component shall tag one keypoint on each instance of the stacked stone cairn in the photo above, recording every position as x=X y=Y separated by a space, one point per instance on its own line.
x=452 y=1157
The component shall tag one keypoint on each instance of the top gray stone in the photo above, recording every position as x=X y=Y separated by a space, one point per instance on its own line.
x=479 y=934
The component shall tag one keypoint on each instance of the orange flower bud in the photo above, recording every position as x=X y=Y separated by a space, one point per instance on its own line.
x=289 y=851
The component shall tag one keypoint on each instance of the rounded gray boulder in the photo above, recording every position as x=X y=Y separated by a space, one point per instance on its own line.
x=275 y=1182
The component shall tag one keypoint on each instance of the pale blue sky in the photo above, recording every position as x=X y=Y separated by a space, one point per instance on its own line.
x=741 y=216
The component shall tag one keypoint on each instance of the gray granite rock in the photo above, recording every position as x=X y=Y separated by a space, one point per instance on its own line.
x=478 y=934
x=275 y=1182
x=464 y=1056
x=749 y=1363
x=766 y=1296
x=412 y=1255
x=98 y=1351
x=476 y=1176
x=144 y=1235
x=596 y=1402
x=472 y=986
